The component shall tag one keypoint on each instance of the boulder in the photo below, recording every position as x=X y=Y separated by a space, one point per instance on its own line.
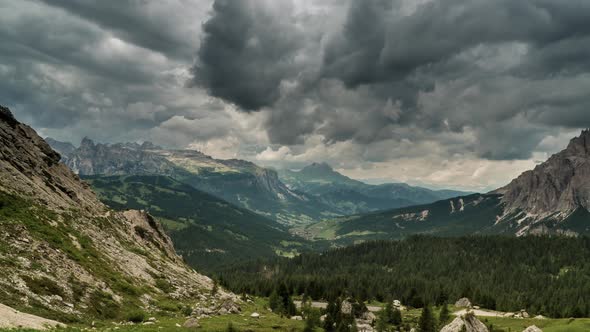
x=296 y=318
x=469 y=322
x=191 y=323
x=532 y=329
x=463 y=302
x=346 y=307
x=364 y=327
x=368 y=317
x=255 y=315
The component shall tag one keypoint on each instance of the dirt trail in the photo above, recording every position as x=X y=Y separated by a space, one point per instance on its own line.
x=324 y=305
x=10 y=318
x=482 y=313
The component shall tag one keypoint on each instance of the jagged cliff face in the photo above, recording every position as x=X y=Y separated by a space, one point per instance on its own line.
x=118 y=159
x=556 y=188
x=62 y=251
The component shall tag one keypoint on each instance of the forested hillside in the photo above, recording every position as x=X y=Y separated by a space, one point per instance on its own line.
x=548 y=276
x=207 y=231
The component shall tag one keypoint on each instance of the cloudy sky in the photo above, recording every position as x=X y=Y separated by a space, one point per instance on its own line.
x=445 y=93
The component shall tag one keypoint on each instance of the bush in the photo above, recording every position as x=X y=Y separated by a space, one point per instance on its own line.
x=136 y=316
x=164 y=285
x=103 y=305
x=43 y=286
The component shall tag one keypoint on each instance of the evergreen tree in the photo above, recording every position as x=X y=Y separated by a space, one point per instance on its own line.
x=444 y=315
x=274 y=301
x=309 y=324
x=215 y=288
x=396 y=317
x=426 y=323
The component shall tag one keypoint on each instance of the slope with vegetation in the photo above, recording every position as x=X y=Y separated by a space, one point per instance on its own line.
x=64 y=255
x=207 y=231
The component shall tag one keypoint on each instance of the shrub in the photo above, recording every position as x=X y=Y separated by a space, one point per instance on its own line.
x=135 y=316
x=43 y=286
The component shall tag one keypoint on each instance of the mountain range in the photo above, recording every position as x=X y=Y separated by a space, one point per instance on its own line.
x=320 y=204
x=64 y=254
x=553 y=198
x=314 y=193
x=353 y=196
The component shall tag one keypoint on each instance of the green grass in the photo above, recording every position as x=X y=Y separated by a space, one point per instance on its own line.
x=268 y=321
x=547 y=325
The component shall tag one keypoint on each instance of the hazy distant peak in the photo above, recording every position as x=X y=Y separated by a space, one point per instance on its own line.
x=63 y=148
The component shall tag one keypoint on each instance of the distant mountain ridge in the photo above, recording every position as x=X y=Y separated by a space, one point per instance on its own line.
x=293 y=198
x=237 y=181
x=553 y=198
x=353 y=196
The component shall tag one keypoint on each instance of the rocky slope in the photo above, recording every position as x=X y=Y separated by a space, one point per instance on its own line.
x=466 y=323
x=555 y=189
x=66 y=256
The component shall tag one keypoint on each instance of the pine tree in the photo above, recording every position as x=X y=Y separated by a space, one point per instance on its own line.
x=396 y=317
x=444 y=315
x=426 y=322
x=387 y=313
x=215 y=288
x=274 y=301
x=309 y=324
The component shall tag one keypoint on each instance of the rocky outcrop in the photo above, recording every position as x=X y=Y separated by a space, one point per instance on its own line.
x=463 y=303
x=554 y=189
x=14 y=319
x=532 y=329
x=117 y=159
x=467 y=323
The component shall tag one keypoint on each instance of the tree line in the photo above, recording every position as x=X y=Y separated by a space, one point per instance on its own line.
x=543 y=275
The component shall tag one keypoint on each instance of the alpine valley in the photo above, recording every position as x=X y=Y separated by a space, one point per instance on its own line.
x=295 y=166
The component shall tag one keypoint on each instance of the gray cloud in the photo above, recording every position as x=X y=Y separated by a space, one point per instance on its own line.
x=356 y=83
x=168 y=26
x=446 y=65
x=247 y=50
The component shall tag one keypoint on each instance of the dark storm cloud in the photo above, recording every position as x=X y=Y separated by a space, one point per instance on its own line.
x=247 y=51
x=448 y=65
x=137 y=22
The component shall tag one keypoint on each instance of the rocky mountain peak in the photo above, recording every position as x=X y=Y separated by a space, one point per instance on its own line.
x=580 y=145
x=7 y=117
x=87 y=143
x=147 y=145
x=556 y=188
x=318 y=170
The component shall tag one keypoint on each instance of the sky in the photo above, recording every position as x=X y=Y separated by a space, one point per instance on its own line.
x=463 y=94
